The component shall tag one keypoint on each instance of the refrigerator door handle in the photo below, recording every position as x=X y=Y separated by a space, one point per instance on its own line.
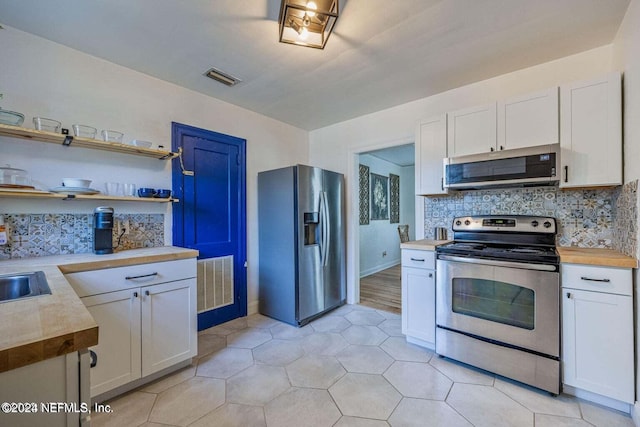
x=325 y=227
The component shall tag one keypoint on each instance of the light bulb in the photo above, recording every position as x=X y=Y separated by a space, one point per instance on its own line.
x=306 y=20
x=311 y=8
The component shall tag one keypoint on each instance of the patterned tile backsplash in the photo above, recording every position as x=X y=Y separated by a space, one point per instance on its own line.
x=600 y=218
x=33 y=235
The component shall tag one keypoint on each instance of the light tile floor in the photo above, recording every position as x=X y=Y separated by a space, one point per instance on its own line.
x=350 y=368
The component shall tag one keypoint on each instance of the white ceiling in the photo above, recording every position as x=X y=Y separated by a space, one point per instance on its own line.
x=382 y=53
x=401 y=155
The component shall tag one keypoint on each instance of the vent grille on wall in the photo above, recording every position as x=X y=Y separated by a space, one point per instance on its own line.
x=215 y=283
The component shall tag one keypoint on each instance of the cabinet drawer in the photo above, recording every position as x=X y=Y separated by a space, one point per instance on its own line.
x=95 y=282
x=419 y=259
x=599 y=279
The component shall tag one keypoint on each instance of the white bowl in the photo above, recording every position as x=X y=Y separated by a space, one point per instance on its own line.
x=76 y=182
x=139 y=143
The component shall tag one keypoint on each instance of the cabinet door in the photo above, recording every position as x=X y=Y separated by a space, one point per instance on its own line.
x=169 y=328
x=529 y=120
x=597 y=342
x=431 y=149
x=118 y=351
x=591 y=132
x=472 y=130
x=419 y=304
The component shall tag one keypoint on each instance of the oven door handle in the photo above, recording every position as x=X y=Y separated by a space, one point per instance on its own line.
x=497 y=263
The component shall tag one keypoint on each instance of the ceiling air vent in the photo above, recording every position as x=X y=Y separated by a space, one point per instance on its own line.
x=222 y=77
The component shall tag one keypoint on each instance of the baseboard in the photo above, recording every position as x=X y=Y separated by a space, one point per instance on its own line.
x=377 y=268
x=635 y=414
x=627 y=408
x=252 y=308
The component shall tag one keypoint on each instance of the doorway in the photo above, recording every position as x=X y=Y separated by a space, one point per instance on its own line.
x=209 y=179
x=386 y=200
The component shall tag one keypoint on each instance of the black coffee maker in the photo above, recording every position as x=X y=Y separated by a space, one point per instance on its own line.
x=103 y=230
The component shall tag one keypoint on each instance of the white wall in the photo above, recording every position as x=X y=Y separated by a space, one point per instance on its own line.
x=381 y=236
x=408 y=199
x=42 y=78
x=334 y=147
x=627 y=58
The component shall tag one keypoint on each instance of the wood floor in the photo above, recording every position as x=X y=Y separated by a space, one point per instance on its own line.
x=382 y=290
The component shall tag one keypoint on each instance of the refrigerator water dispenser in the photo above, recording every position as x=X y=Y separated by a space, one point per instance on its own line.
x=311 y=229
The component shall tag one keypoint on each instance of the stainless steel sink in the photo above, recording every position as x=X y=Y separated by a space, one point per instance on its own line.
x=23 y=285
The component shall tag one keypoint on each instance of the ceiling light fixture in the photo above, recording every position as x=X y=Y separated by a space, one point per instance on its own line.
x=222 y=77
x=305 y=23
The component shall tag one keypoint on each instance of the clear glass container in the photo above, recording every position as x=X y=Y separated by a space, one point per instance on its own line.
x=12 y=177
x=11 y=118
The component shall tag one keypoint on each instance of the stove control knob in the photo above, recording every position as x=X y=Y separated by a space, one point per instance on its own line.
x=467 y=222
x=534 y=223
x=458 y=222
x=547 y=224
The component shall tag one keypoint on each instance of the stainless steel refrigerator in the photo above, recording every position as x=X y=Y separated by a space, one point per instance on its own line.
x=301 y=222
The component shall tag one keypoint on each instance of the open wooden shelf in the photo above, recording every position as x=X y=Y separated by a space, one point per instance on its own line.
x=48 y=195
x=75 y=141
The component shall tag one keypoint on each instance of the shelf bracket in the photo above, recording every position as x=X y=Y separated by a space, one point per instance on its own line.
x=69 y=197
x=68 y=139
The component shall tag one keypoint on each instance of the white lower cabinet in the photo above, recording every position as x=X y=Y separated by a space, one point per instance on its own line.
x=419 y=297
x=597 y=330
x=147 y=327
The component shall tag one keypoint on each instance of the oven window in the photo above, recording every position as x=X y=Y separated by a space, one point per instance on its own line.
x=494 y=301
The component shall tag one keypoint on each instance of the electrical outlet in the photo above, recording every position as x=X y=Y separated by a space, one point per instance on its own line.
x=123 y=226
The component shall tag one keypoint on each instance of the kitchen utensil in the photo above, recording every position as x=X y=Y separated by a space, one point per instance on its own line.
x=440 y=233
x=139 y=143
x=76 y=182
x=12 y=176
x=112 y=136
x=162 y=193
x=146 y=192
x=84 y=131
x=12 y=118
x=129 y=190
x=113 y=188
x=49 y=125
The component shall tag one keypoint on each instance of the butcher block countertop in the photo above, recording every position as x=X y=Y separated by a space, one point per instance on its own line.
x=47 y=326
x=592 y=256
x=424 y=244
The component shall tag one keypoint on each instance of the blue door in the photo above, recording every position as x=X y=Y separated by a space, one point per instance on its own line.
x=211 y=216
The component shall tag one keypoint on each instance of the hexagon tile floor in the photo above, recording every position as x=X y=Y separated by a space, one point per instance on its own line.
x=350 y=368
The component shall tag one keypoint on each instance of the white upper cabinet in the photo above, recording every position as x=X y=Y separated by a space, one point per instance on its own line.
x=528 y=120
x=431 y=149
x=591 y=132
x=472 y=130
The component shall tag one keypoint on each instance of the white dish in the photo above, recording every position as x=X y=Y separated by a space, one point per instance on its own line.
x=74 y=190
x=76 y=182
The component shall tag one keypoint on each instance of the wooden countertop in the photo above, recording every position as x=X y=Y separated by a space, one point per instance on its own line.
x=424 y=244
x=593 y=256
x=43 y=327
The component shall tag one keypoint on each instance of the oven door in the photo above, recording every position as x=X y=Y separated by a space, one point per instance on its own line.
x=514 y=306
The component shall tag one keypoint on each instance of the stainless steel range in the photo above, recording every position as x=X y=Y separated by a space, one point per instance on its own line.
x=498 y=298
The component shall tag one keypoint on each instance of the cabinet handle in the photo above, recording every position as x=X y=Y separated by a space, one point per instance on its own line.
x=588 y=279
x=501 y=147
x=417 y=259
x=94 y=358
x=430 y=274
x=147 y=293
x=568 y=294
x=492 y=149
x=135 y=295
x=566 y=174
x=442 y=183
x=140 y=277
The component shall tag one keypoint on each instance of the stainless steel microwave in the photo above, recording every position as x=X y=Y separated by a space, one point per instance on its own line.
x=517 y=167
